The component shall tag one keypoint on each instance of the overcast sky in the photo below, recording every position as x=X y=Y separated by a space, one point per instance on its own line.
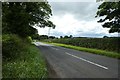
x=77 y=19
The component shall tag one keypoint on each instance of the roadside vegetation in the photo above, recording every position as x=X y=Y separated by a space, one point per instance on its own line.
x=21 y=59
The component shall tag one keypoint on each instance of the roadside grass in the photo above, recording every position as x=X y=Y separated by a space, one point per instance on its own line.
x=94 y=51
x=30 y=64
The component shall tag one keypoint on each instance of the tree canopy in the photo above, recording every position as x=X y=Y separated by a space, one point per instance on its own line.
x=20 y=17
x=111 y=11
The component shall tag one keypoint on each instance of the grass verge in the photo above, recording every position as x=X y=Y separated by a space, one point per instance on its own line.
x=30 y=64
x=94 y=51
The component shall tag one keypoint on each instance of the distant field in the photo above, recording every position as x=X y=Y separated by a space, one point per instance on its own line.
x=108 y=44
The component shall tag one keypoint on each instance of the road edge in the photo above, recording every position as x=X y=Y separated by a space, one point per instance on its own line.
x=51 y=72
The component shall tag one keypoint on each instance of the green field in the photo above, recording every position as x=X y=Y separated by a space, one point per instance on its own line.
x=108 y=44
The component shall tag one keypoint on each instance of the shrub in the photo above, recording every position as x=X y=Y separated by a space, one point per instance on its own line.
x=21 y=59
x=29 y=39
x=11 y=46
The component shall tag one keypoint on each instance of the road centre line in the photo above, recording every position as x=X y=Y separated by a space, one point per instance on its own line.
x=87 y=61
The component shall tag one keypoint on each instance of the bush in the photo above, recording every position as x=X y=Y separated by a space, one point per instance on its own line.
x=21 y=59
x=12 y=45
x=29 y=39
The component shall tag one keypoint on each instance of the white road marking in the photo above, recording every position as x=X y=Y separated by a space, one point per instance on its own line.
x=87 y=61
x=54 y=48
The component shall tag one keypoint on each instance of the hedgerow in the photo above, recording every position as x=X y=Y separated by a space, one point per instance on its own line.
x=109 y=44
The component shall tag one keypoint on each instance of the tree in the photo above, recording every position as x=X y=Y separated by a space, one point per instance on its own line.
x=111 y=11
x=105 y=37
x=71 y=36
x=61 y=37
x=66 y=36
x=20 y=17
x=43 y=37
x=35 y=36
x=51 y=37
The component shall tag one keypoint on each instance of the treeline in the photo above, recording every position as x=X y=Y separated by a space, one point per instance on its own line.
x=43 y=37
x=109 y=44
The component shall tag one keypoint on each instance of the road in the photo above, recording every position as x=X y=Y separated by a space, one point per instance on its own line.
x=69 y=63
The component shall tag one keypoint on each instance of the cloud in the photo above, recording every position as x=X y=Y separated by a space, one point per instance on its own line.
x=72 y=0
x=57 y=33
x=81 y=10
x=75 y=18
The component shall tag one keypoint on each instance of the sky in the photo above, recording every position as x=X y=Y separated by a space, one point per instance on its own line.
x=75 y=18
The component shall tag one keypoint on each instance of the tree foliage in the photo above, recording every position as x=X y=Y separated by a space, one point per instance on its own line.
x=66 y=36
x=70 y=36
x=51 y=37
x=111 y=11
x=61 y=37
x=20 y=17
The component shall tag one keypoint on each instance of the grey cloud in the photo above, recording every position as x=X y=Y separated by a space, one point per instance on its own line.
x=80 y=34
x=57 y=33
x=91 y=34
x=81 y=10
